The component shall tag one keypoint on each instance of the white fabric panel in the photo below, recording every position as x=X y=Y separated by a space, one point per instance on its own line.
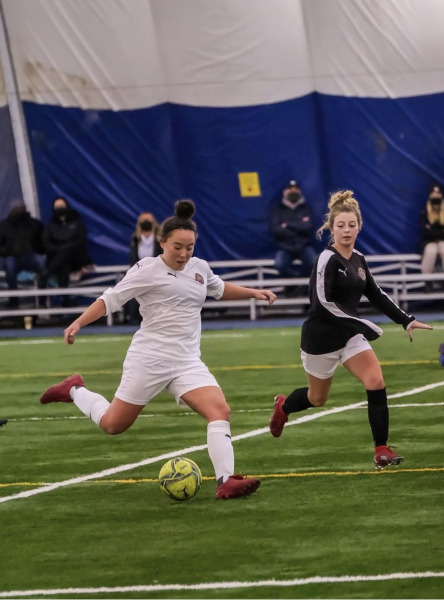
x=125 y=54
x=88 y=53
x=376 y=48
x=233 y=52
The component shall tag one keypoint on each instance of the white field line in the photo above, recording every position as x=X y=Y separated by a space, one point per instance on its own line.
x=109 y=338
x=184 y=451
x=189 y=413
x=223 y=585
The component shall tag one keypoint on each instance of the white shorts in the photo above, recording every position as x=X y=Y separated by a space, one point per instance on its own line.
x=323 y=366
x=144 y=379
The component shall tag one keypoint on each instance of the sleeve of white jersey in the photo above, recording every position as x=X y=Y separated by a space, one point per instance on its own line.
x=129 y=287
x=215 y=285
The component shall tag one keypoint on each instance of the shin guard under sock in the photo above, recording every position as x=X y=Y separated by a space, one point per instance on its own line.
x=378 y=415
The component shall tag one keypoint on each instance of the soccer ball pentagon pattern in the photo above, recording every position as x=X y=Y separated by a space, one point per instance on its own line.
x=180 y=478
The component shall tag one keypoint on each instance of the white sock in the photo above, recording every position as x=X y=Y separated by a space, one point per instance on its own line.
x=220 y=449
x=91 y=404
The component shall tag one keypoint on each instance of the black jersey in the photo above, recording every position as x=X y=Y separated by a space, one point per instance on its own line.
x=336 y=288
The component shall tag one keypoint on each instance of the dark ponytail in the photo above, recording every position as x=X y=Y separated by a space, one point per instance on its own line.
x=184 y=210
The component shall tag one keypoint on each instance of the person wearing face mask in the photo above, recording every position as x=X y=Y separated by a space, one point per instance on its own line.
x=21 y=247
x=144 y=239
x=144 y=243
x=432 y=229
x=65 y=241
x=292 y=228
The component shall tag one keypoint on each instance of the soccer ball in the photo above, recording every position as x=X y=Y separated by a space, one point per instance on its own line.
x=180 y=478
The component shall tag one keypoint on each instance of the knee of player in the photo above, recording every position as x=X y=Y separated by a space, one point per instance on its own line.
x=112 y=428
x=375 y=383
x=317 y=399
x=225 y=412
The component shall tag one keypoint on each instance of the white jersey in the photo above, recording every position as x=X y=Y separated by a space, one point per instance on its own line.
x=170 y=305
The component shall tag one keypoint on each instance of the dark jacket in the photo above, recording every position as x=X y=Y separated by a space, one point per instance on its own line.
x=430 y=232
x=61 y=233
x=297 y=234
x=134 y=249
x=20 y=234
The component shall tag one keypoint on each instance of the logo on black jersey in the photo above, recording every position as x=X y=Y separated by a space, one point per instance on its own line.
x=361 y=274
x=198 y=277
x=344 y=271
x=173 y=274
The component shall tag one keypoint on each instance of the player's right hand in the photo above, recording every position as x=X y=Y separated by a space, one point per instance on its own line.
x=70 y=333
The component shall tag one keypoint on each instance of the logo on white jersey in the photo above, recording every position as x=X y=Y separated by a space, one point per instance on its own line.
x=198 y=277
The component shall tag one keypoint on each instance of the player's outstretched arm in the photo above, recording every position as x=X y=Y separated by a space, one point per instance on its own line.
x=417 y=325
x=238 y=292
x=96 y=310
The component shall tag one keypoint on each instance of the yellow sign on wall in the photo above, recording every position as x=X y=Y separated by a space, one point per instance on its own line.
x=249 y=184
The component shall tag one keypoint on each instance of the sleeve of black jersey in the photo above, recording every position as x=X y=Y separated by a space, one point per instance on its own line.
x=381 y=300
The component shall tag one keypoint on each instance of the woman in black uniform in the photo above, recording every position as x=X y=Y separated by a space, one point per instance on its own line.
x=334 y=333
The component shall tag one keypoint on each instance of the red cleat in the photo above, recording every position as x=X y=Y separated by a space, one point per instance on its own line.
x=237 y=486
x=384 y=456
x=60 y=391
x=279 y=417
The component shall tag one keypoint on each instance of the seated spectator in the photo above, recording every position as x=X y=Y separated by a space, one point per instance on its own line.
x=144 y=239
x=65 y=242
x=21 y=246
x=143 y=243
x=292 y=227
x=432 y=229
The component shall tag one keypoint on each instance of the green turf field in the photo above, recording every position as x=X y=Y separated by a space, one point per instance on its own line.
x=321 y=515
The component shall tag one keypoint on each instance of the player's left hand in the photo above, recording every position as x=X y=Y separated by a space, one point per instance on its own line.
x=417 y=325
x=266 y=295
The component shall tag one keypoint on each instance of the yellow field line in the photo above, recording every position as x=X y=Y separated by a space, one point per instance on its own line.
x=386 y=363
x=261 y=476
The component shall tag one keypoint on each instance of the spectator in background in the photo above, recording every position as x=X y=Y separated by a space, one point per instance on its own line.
x=292 y=227
x=144 y=240
x=65 y=242
x=20 y=245
x=432 y=229
x=144 y=243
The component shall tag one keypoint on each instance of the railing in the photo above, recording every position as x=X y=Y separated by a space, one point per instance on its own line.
x=392 y=272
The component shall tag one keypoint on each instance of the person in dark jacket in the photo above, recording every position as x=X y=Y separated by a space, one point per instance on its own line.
x=143 y=243
x=20 y=245
x=432 y=229
x=65 y=242
x=144 y=240
x=292 y=228
x=334 y=333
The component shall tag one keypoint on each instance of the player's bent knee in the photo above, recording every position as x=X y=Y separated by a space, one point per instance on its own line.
x=112 y=427
x=318 y=400
x=374 y=383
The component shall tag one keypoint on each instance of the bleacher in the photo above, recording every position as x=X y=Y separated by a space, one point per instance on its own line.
x=398 y=274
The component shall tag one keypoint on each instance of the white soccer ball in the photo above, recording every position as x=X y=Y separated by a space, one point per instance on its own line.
x=180 y=478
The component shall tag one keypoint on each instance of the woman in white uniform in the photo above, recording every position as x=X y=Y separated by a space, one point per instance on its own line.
x=165 y=351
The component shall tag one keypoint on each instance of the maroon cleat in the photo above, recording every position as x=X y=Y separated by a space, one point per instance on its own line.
x=60 y=391
x=384 y=456
x=237 y=486
x=279 y=417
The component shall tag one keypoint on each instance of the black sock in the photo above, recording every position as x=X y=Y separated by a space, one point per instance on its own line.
x=378 y=415
x=297 y=401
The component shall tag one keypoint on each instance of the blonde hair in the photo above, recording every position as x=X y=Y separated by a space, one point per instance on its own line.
x=340 y=202
x=146 y=216
x=435 y=217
